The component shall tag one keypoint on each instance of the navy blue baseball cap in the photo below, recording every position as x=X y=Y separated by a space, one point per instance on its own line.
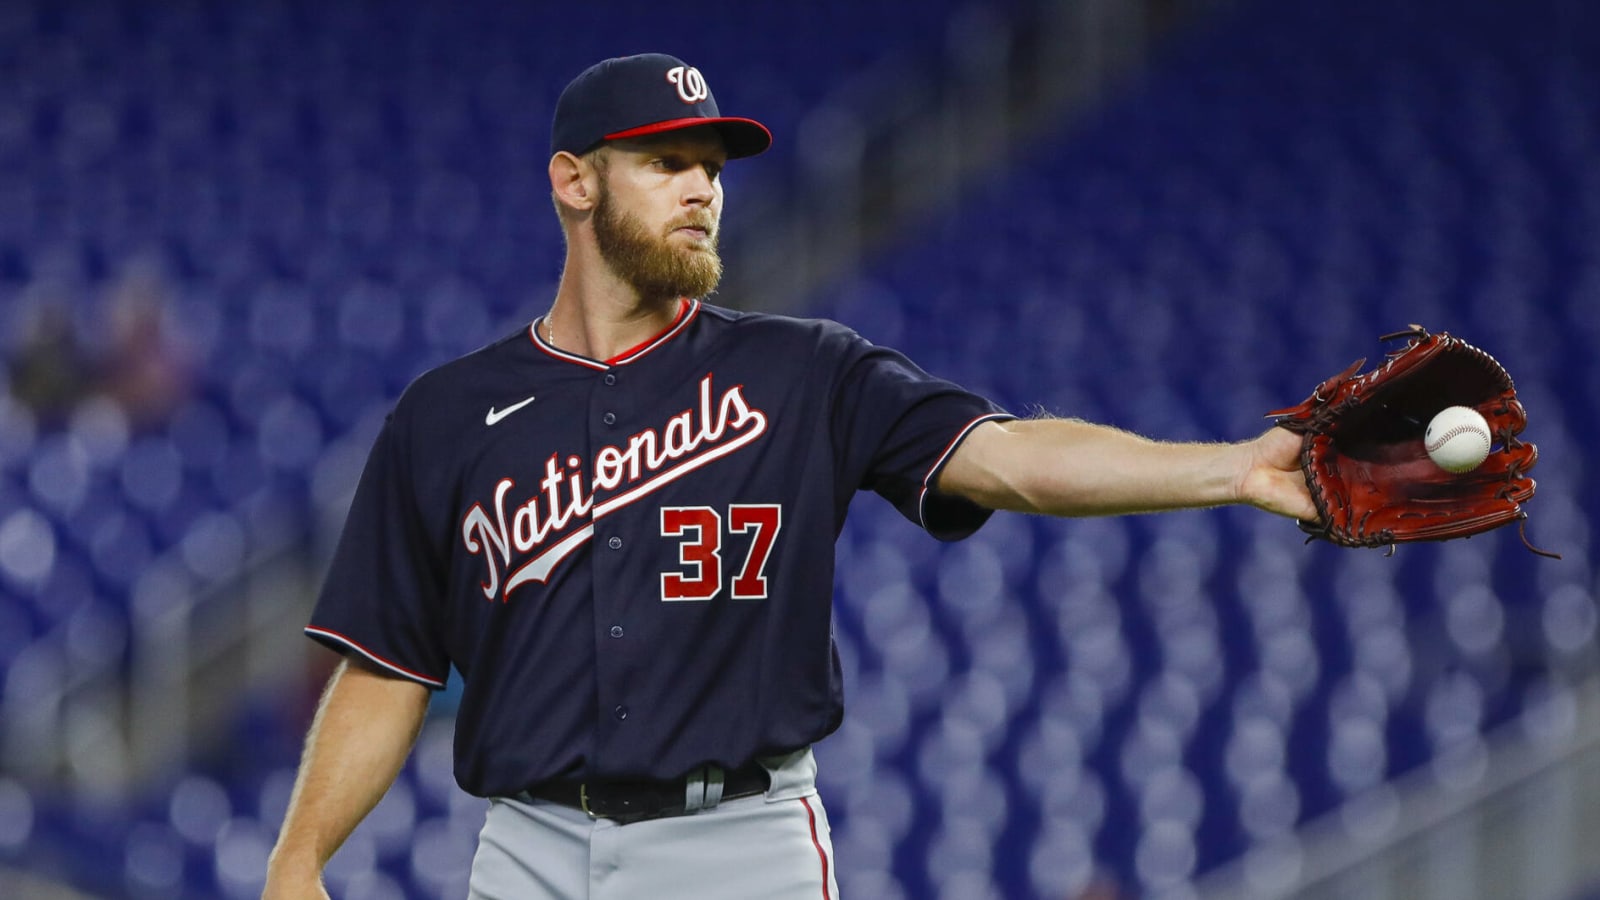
x=632 y=96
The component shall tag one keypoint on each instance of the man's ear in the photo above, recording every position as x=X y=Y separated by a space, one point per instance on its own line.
x=574 y=182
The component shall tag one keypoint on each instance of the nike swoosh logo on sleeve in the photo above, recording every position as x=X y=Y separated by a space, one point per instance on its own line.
x=495 y=415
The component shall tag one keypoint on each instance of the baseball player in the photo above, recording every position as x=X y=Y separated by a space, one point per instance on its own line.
x=617 y=524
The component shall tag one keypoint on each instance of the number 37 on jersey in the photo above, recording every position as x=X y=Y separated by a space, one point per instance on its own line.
x=702 y=532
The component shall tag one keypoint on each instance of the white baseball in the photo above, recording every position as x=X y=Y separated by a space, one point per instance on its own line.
x=1458 y=439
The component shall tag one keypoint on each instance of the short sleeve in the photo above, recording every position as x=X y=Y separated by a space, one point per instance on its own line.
x=897 y=426
x=383 y=589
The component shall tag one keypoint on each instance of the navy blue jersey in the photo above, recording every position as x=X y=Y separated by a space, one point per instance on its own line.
x=631 y=562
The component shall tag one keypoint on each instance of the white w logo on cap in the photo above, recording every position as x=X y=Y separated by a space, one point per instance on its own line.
x=690 y=83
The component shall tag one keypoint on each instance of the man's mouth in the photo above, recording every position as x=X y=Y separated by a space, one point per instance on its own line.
x=695 y=232
x=695 y=227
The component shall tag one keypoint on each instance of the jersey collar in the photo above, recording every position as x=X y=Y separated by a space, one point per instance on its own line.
x=687 y=310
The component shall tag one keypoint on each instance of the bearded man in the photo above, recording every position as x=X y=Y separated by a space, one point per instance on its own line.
x=617 y=524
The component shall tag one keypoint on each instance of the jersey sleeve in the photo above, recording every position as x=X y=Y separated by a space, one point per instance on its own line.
x=898 y=426
x=381 y=597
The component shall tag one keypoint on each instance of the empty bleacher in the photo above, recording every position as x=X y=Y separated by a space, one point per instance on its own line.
x=322 y=199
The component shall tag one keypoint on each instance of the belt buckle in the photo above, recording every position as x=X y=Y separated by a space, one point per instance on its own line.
x=583 y=801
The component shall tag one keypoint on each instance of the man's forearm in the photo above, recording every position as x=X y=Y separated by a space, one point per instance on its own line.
x=1067 y=467
x=363 y=731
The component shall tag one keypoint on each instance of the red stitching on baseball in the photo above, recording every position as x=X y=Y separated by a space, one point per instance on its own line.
x=1459 y=429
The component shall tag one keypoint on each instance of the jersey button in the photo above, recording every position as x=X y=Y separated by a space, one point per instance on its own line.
x=615 y=543
x=610 y=378
x=620 y=712
x=609 y=418
x=616 y=631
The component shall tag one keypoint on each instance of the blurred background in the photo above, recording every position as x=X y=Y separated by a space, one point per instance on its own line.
x=231 y=232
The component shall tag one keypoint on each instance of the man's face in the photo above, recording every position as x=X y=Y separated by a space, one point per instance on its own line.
x=658 y=212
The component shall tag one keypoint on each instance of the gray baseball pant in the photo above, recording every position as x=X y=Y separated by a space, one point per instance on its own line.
x=774 y=846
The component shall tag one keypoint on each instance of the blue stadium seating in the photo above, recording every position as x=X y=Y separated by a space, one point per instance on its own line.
x=1268 y=200
x=1044 y=706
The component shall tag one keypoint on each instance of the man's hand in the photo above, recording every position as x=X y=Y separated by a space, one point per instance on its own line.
x=1272 y=478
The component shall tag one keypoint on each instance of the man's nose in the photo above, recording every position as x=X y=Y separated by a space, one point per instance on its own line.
x=699 y=188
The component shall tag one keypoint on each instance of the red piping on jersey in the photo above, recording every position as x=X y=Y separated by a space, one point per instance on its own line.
x=687 y=310
x=811 y=814
x=950 y=449
x=393 y=667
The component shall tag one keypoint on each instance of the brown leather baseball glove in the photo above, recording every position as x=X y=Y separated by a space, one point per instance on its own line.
x=1363 y=454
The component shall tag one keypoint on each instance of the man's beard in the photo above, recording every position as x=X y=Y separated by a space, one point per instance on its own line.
x=655 y=268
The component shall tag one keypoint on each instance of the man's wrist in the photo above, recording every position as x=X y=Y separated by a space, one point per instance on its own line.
x=294 y=862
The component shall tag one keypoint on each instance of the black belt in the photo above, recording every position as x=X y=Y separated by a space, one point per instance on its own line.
x=627 y=801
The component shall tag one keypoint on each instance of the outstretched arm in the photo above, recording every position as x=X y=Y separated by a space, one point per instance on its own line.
x=1068 y=467
x=363 y=731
